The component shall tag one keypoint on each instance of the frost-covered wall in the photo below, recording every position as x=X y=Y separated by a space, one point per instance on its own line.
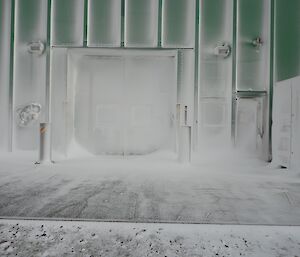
x=286 y=128
x=199 y=30
x=83 y=23
x=29 y=70
x=234 y=74
x=286 y=123
x=5 y=37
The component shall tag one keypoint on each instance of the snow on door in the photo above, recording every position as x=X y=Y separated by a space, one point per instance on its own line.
x=125 y=104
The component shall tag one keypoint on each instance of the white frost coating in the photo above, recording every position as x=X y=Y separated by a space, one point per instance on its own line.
x=249 y=127
x=122 y=105
x=28 y=115
x=281 y=131
x=63 y=238
x=215 y=123
x=29 y=69
x=58 y=78
x=5 y=10
x=215 y=75
x=118 y=102
x=286 y=123
x=296 y=123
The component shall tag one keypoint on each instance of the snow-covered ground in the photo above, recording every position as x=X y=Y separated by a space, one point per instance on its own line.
x=225 y=188
x=87 y=239
x=219 y=189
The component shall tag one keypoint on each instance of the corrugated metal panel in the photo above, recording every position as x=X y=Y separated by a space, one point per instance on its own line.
x=215 y=73
x=29 y=69
x=216 y=24
x=5 y=29
x=287 y=39
x=141 y=23
x=178 y=23
x=104 y=23
x=67 y=25
x=253 y=62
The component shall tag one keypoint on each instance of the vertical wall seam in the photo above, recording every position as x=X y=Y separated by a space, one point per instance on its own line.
x=196 y=77
x=11 y=76
x=159 y=24
x=85 y=23
x=122 y=23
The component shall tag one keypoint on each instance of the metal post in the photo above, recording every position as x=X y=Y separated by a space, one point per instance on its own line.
x=45 y=144
x=45 y=127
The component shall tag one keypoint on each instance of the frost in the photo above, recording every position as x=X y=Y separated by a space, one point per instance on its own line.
x=28 y=115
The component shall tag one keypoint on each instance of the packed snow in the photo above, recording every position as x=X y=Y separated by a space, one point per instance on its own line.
x=90 y=239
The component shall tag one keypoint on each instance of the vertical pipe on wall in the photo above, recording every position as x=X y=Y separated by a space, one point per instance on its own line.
x=272 y=52
x=48 y=61
x=45 y=147
x=233 y=92
x=159 y=30
x=196 y=86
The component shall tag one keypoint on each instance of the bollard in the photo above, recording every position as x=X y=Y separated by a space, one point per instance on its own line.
x=45 y=144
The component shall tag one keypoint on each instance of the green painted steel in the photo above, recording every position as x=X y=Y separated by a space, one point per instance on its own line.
x=287 y=39
x=104 y=23
x=151 y=23
x=178 y=23
x=67 y=25
x=215 y=72
x=253 y=56
x=215 y=29
x=141 y=23
x=5 y=36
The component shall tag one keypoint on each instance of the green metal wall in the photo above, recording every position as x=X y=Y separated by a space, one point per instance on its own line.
x=174 y=27
x=287 y=39
x=5 y=37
